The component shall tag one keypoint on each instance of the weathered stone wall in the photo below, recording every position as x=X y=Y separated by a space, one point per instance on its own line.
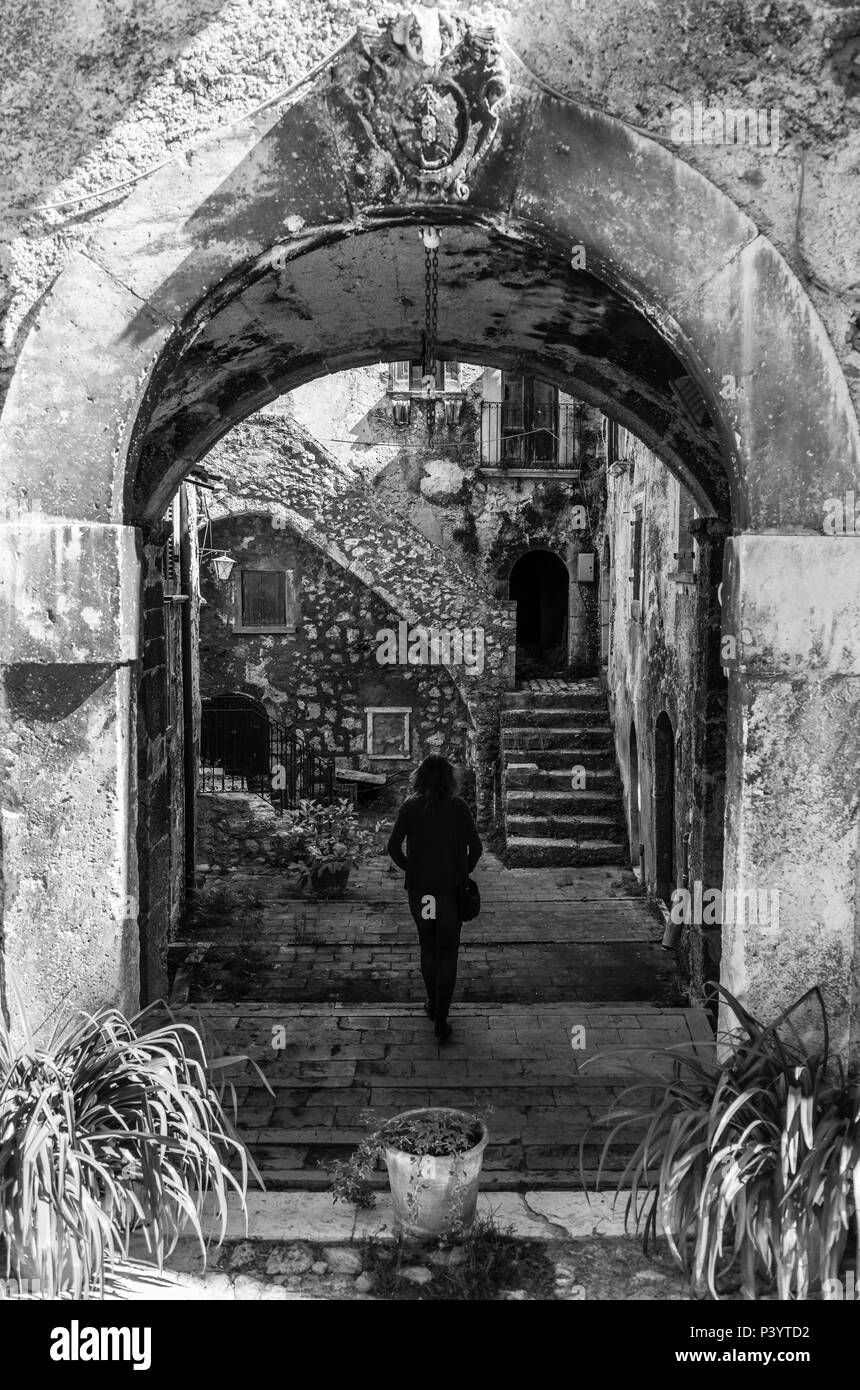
x=323 y=677
x=484 y=523
x=98 y=93
x=666 y=660
x=237 y=830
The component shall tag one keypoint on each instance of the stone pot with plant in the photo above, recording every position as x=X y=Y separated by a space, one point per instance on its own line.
x=749 y=1160
x=110 y=1128
x=326 y=843
x=434 y=1159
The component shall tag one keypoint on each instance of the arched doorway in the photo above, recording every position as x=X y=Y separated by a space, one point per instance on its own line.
x=287 y=248
x=664 y=807
x=634 y=801
x=234 y=743
x=540 y=587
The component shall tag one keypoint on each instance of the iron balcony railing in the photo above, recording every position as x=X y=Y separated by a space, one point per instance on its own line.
x=550 y=439
x=242 y=749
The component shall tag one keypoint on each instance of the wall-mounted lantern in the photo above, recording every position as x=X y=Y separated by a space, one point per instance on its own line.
x=223 y=567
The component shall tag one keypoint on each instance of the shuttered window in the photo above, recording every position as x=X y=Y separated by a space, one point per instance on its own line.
x=264 y=598
x=529 y=423
x=636 y=554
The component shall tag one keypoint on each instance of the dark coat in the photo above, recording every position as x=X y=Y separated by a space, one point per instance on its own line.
x=442 y=843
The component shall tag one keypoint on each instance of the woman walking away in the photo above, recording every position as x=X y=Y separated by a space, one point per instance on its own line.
x=442 y=849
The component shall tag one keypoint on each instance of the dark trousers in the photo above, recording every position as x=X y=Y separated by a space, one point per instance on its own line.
x=440 y=942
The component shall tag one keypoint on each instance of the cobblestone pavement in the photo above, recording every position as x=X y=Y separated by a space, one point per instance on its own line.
x=534 y=1270
x=563 y=991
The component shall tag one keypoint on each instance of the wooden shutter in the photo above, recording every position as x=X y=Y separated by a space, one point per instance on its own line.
x=685 y=554
x=513 y=416
x=264 y=598
x=636 y=553
x=543 y=422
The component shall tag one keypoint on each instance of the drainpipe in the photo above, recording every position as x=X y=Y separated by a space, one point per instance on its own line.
x=189 y=749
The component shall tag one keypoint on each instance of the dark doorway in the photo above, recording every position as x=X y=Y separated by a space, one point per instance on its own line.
x=635 y=847
x=540 y=585
x=664 y=807
x=234 y=743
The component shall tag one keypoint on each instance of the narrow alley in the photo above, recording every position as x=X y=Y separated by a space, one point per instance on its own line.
x=563 y=989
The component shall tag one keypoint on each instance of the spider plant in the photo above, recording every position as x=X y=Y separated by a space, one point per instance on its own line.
x=107 y=1130
x=750 y=1161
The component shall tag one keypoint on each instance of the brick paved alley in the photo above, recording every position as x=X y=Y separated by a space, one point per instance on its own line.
x=552 y=949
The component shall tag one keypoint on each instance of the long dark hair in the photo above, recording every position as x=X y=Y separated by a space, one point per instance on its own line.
x=435 y=778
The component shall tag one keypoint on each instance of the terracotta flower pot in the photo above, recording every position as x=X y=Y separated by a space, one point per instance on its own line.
x=435 y=1197
x=329 y=883
x=672 y=936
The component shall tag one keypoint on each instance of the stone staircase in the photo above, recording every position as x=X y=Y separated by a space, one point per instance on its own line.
x=545 y=734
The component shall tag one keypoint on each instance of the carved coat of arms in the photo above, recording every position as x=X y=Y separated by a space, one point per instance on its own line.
x=427 y=91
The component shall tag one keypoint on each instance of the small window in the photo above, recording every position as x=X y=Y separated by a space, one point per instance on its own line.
x=613 y=441
x=389 y=733
x=417 y=371
x=409 y=376
x=263 y=600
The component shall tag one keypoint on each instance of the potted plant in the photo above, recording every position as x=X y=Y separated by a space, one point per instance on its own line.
x=433 y=1157
x=108 y=1129
x=326 y=842
x=750 y=1162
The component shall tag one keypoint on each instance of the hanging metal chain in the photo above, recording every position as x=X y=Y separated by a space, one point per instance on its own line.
x=431 y=297
x=430 y=237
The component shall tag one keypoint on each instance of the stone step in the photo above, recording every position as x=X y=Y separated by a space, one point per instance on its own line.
x=566 y=827
x=528 y=778
x=558 y=714
x=534 y=851
x=549 y=699
x=522 y=739
x=527 y=800
x=549 y=759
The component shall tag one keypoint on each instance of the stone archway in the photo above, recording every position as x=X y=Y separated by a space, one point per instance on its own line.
x=288 y=247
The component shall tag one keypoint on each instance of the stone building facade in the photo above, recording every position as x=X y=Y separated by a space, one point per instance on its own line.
x=658 y=636
x=318 y=663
